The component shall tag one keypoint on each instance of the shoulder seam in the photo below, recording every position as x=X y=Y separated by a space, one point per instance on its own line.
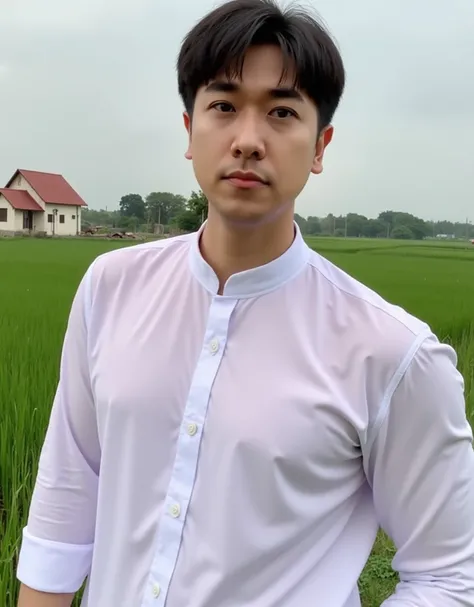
x=159 y=245
x=156 y=245
x=367 y=301
x=392 y=386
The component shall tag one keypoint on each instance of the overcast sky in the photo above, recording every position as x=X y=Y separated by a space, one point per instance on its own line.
x=88 y=89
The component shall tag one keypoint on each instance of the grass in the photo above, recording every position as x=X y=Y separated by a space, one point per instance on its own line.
x=434 y=281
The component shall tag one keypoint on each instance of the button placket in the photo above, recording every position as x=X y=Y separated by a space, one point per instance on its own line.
x=187 y=453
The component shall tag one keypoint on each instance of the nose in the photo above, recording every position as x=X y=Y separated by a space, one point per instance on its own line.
x=248 y=142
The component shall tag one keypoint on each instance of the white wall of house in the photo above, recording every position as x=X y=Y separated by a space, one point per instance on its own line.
x=18 y=221
x=67 y=220
x=20 y=183
x=38 y=218
x=9 y=224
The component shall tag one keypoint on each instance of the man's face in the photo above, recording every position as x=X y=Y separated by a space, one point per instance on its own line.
x=253 y=142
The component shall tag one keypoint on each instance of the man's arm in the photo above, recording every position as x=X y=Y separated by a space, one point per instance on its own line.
x=57 y=543
x=33 y=598
x=421 y=468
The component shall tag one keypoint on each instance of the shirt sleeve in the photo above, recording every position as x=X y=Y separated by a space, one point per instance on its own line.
x=421 y=468
x=57 y=542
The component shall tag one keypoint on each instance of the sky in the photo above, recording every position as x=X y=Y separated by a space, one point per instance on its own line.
x=88 y=89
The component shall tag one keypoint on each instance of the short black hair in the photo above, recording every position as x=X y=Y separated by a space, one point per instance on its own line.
x=219 y=42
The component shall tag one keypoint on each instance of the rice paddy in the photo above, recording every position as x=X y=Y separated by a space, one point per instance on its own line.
x=38 y=278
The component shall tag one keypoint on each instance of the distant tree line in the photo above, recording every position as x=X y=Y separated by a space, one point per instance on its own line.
x=388 y=224
x=164 y=211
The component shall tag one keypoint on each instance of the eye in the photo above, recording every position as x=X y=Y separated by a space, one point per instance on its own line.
x=283 y=112
x=223 y=107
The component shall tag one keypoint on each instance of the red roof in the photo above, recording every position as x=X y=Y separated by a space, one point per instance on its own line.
x=51 y=188
x=21 y=200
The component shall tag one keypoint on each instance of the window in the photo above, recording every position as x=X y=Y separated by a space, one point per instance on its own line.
x=50 y=218
x=74 y=217
x=61 y=219
x=3 y=215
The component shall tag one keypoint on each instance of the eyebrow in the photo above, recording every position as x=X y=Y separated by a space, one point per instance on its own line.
x=276 y=93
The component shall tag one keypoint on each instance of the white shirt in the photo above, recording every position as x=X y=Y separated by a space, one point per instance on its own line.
x=241 y=450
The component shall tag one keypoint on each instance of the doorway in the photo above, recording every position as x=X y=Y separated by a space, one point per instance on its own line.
x=28 y=220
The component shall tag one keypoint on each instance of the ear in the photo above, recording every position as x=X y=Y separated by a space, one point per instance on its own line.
x=187 y=124
x=324 y=140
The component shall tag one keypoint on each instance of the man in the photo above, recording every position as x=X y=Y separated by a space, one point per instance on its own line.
x=235 y=415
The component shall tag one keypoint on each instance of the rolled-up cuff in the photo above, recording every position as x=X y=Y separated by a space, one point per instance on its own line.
x=53 y=567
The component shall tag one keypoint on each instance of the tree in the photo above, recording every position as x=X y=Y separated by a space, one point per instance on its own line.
x=132 y=205
x=93 y=217
x=417 y=226
x=302 y=223
x=313 y=226
x=355 y=225
x=188 y=221
x=128 y=223
x=198 y=204
x=402 y=233
x=164 y=207
x=375 y=228
x=388 y=218
x=328 y=224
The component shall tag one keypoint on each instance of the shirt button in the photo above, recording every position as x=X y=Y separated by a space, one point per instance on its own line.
x=192 y=429
x=175 y=510
x=156 y=590
x=214 y=346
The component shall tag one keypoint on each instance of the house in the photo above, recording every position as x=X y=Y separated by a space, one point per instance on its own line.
x=40 y=202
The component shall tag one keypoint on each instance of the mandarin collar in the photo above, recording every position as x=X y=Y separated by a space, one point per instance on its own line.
x=256 y=281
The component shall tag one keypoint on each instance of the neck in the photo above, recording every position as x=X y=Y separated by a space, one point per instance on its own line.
x=230 y=249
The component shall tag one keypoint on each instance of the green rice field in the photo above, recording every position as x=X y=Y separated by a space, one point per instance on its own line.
x=38 y=278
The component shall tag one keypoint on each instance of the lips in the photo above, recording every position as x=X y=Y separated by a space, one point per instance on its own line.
x=246 y=179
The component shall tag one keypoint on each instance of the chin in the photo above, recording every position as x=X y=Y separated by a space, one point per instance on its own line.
x=248 y=214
